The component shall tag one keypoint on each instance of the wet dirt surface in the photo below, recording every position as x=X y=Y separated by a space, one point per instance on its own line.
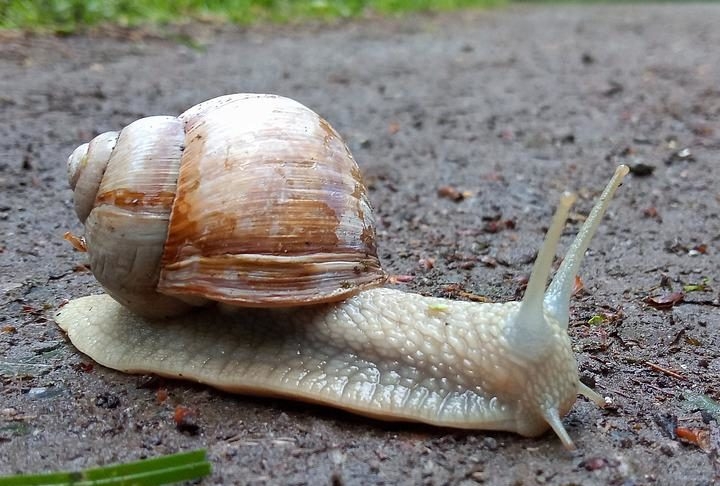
x=509 y=107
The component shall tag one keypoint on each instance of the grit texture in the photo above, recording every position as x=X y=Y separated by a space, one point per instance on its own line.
x=467 y=127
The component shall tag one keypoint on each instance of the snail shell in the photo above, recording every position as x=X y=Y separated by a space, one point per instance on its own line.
x=246 y=199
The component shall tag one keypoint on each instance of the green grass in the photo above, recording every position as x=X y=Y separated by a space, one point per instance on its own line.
x=184 y=466
x=72 y=15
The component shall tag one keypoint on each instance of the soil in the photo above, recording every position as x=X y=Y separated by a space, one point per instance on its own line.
x=507 y=108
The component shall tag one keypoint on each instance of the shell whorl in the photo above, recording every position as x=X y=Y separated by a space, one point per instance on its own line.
x=127 y=226
x=86 y=167
x=76 y=160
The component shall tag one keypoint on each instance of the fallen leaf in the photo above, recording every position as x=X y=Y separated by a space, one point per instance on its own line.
x=696 y=436
x=666 y=301
x=493 y=226
x=452 y=193
x=701 y=248
x=161 y=395
x=594 y=463
x=396 y=279
x=185 y=420
x=77 y=242
x=85 y=367
x=578 y=285
x=427 y=263
x=703 y=286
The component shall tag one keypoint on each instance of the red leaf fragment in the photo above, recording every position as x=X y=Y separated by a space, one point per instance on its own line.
x=695 y=436
x=161 y=395
x=494 y=226
x=701 y=248
x=472 y=297
x=456 y=290
x=185 y=420
x=28 y=309
x=427 y=263
x=396 y=279
x=85 y=367
x=594 y=463
x=77 y=242
x=578 y=286
x=452 y=193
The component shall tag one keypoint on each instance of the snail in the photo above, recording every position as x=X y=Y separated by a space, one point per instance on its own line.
x=254 y=202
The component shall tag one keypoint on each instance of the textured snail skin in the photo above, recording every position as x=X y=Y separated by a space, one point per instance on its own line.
x=383 y=353
x=368 y=354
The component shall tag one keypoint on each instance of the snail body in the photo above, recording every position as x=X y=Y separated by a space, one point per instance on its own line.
x=354 y=344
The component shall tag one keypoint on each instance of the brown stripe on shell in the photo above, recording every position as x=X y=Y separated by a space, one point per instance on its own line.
x=89 y=171
x=130 y=200
x=270 y=280
x=142 y=172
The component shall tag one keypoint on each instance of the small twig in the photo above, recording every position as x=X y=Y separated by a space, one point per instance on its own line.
x=712 y=303
x=653 y=387
x=667 y=371
x=615 y=391
x=677 y=337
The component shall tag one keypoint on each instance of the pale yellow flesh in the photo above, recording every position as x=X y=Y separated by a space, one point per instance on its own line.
x=383 y=353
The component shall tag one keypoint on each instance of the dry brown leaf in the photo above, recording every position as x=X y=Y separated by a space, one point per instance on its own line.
x=666 y=301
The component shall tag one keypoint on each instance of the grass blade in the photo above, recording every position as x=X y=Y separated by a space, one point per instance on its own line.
x=169 y=469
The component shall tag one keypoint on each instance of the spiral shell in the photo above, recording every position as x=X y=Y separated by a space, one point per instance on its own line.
x=247 y=199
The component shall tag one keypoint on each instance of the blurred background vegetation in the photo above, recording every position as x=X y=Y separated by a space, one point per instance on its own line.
x=68 y=16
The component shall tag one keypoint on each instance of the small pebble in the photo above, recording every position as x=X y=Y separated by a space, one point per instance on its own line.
x=107 y=400
x=43 y=392
x=490 y=443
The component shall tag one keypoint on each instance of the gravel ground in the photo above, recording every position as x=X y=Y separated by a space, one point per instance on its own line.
x=509 y=107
